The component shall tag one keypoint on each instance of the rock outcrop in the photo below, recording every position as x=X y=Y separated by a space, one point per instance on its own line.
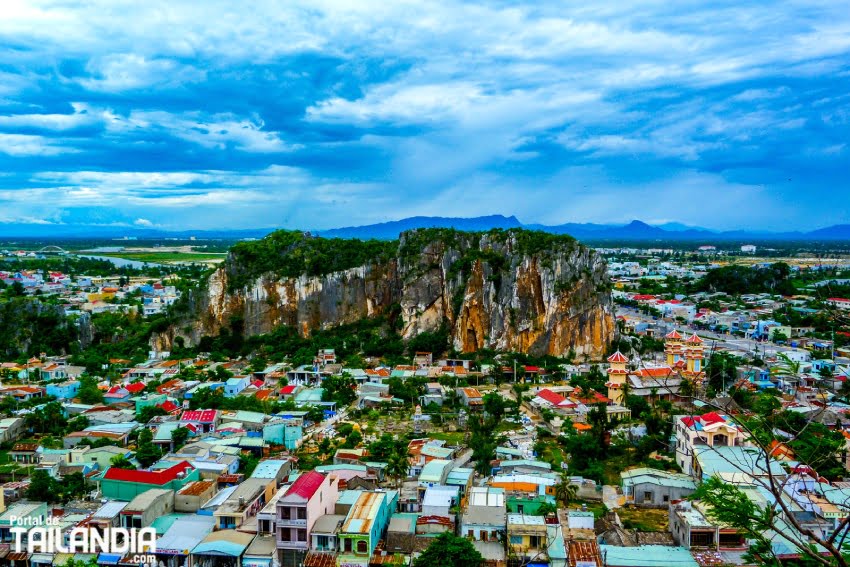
x=508 y=290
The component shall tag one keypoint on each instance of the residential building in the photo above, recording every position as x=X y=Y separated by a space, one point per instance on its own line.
x=311 y=496
x=485 y=514
x=710 y=429
x=653 y=487
x=364 y=525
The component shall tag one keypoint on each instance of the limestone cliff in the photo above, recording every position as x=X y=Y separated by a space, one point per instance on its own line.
x=509 y=290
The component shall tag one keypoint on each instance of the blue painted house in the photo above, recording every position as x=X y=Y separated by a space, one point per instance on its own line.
x=64 y=391
x=235 y=385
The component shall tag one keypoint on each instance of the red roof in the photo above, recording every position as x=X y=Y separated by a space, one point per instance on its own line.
x=712 y=417
x=286 y=390
x=694 y=339
x=550 y=396
x=532 y=369
x=673 y=335
x=306 y=485
x=168 y=406
x=618 y=357
x=655 y=372
x=202 y=416
x=263 y=394
x=839 y=299
x=135 y=387
x=257 y=383
x=159 y=477
x=643 y=297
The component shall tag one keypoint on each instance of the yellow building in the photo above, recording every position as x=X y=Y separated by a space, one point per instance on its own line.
x=617 y=375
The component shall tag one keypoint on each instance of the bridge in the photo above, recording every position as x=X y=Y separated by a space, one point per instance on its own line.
x=52 y=249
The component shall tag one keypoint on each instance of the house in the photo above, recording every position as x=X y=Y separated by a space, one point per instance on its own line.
x=647 y=556
x=173 y=546
x=11 y=429
x=300 y=505
x=528 y=538
x=652 y=487
x=234 y=385
x=123 y=484
x=191 y=497
x=116 y=394
x=100 y=456
x=223 y=547
x=471 y=398
x=64 y=390
x=364 y=525
x=691 y=528
x=24 y=453
x=52 y=371
x=249 y=498
x=710 y=429
x=204 y=420
x=147 y=507
x=485 y=514
x=23 y=393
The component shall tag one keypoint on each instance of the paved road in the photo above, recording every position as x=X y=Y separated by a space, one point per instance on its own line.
x=463 y=458
x=727 y=341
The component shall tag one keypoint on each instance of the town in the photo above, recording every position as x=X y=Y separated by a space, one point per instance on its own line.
x=506 y=460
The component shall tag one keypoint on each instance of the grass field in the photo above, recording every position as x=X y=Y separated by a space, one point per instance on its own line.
x=169 y=257
x=451 y=437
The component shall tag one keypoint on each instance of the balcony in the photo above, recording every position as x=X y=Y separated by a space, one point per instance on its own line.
x=292 y=522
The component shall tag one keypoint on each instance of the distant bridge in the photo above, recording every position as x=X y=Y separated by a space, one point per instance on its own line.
x=52 y=250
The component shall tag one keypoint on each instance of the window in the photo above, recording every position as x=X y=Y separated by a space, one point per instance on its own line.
x=519 y=509
x=347 y=546
x=362 y=546
x=516 y=540
x=302 y=513
x=301 y=535
x=471 y=533
x=647 y=496
x=665 y=498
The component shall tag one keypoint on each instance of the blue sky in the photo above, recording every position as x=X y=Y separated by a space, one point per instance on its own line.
x=333 y=113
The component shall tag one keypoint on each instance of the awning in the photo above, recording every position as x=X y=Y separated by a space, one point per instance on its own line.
x=18 y=556
x=109 y=558
x=61 y=559
x=256 y=561
x=46 y=558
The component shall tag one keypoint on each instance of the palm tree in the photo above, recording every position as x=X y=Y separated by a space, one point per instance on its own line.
x=565 y=492
x=398 y=465
x=786 y=368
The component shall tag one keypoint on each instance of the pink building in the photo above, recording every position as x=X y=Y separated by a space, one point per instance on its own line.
x=303 y=502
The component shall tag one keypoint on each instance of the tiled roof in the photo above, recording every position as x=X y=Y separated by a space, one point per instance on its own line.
x=618 y=357
x=135 y=387
x=203 y=416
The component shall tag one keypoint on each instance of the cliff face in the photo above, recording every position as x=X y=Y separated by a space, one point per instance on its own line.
x=493 y=290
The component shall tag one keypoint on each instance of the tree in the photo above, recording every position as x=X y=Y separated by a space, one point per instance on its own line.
x=565 y=492
x=495 y=405
x=179 y=437
x=339 y=389
x=449 y=550
x=146 y=452
x=89 y=393
x=398 y=465
x=43 y=487
x=121 y=462
x=147 y=413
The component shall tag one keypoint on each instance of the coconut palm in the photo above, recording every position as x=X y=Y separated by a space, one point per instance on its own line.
x=398 y=465
x=565 y=492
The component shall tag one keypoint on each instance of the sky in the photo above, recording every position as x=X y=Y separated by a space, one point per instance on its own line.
x=326 y=113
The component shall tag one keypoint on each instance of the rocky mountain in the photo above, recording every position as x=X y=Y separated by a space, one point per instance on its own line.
x=504 y=289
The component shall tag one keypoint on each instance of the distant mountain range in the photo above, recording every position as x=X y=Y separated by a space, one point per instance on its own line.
x=633 y=231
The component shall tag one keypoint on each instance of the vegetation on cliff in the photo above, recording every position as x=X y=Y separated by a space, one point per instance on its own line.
x=289 y=254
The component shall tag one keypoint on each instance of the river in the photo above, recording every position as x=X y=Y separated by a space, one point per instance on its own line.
x=121 y=262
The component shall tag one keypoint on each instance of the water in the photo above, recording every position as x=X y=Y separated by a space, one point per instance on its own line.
x=121 y=262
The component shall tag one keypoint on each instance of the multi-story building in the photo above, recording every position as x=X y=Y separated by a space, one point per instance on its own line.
x=366 y=522
x=710 y=429
x=302 y=503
